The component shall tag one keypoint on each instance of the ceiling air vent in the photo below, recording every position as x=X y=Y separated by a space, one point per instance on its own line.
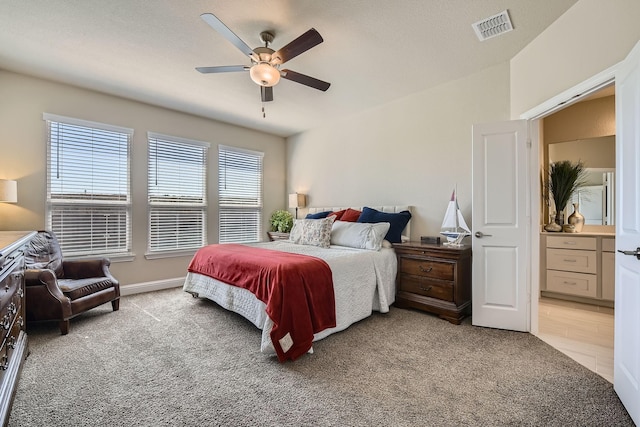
x=493 y=26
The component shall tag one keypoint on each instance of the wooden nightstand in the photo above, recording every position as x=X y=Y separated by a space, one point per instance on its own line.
x=434 y=278
x=276 y=235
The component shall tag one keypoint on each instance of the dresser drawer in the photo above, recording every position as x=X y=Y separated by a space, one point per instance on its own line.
x=570 y=260
x=426 y=287
x=572 y=283
x=428 y=268
x=570 y=242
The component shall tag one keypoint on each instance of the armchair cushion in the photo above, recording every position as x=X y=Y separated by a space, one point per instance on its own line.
x=44 y=252
x=78 y=288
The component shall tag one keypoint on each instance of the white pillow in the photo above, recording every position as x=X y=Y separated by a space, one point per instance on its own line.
x=359 y=235
x=314 y=232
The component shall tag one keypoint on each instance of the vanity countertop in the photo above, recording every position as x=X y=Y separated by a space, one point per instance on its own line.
x=582 y=233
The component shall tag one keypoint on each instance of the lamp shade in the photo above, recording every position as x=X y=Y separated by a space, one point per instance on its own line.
x=264 y=74
x=297 y=200
x=8 y=191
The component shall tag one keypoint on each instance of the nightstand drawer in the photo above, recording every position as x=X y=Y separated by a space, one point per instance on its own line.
x=427 y=268
x=426 y=287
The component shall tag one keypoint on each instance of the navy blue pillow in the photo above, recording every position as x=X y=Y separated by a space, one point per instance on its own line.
x=318 y=215
x=398 y=222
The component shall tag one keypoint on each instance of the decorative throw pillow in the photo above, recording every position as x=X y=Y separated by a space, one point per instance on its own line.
x=359 y=235
x=317 y=215
x=338 y=214
x=314 y=232
x=350 y=215
x=398 y=222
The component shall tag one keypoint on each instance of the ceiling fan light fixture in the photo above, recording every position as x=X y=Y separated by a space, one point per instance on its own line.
x=264 y=74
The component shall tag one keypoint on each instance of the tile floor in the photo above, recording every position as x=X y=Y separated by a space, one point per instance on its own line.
x=581 y=331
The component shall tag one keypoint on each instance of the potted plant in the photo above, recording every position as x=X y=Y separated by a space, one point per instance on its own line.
x=565 y=177
x=281 y=221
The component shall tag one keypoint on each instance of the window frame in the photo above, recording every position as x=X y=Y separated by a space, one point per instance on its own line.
x=154 y=206
x=91 y=204
x=255 y=210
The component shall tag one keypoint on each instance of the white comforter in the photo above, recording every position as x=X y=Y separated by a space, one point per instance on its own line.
x=363 y=281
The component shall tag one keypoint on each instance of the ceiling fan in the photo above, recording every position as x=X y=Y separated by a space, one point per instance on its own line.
x=265 y=62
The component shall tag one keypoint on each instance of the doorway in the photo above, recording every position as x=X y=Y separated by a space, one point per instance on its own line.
x=580 y=322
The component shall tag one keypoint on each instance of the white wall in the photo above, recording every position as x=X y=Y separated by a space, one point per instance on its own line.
x=23 y=148
x=411 y=151
x=589 y=38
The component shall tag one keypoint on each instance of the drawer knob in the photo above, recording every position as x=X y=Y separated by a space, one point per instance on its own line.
x=426 y=289
x=426 y=270
x=6 y=321
x=11 y=343
x=4 y=363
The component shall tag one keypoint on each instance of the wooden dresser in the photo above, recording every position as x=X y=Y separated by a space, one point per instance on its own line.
x=434 y=278
x=14 y=348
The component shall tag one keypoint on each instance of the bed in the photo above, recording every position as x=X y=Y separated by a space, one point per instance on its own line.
x=363 y=278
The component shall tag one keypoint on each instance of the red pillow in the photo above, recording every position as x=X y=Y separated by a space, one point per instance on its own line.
x=350 y=215
x=338 y=214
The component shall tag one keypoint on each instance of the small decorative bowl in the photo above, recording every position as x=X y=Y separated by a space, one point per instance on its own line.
x=569 y=228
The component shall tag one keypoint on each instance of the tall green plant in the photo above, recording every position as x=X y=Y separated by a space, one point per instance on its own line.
x=565 y=177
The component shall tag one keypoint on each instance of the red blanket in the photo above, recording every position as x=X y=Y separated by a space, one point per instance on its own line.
x=297 y=290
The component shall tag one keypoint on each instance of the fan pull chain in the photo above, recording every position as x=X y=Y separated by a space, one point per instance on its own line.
x=264 y=114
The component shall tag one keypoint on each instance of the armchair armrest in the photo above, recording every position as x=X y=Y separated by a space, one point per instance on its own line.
x=45 y=299
x=86 y=268
x=47 y=278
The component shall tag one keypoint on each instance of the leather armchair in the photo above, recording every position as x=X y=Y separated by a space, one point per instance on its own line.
x=58 y=289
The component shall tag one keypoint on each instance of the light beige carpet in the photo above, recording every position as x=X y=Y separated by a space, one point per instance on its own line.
x=167 y=359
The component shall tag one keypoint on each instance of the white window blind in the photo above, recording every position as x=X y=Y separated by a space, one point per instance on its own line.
x=239 y=194
x=88 y=188
x=177 y=193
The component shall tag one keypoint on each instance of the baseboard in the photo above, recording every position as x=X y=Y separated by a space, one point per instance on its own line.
x=157 y=285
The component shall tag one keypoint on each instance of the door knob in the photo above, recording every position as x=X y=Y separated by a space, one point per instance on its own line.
x=480 y=234
x=635 y=253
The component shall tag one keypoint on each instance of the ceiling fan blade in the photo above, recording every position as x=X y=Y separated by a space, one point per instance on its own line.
x=225 y=32
x=223 y=69
x=266 y=93
x=305 y=80
x=300 y=45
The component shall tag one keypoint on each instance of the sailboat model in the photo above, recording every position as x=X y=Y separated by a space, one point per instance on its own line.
x=454 y=228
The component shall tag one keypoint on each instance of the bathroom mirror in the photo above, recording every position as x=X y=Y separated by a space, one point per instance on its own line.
x=596 y=199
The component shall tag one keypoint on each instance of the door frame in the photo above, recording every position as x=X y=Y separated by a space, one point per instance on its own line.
x=556 y=103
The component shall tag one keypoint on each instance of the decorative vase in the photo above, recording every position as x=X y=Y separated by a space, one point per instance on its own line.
x=576 y=219
x=553 y=227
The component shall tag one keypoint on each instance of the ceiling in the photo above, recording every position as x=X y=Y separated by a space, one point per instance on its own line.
x=374 y=51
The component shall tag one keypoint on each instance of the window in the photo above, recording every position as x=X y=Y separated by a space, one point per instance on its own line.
x=177 y=194
x=88 y=202
x=239 y=194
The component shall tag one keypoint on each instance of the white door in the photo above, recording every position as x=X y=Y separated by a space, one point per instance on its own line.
x=501 y=251
x=626 y=357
